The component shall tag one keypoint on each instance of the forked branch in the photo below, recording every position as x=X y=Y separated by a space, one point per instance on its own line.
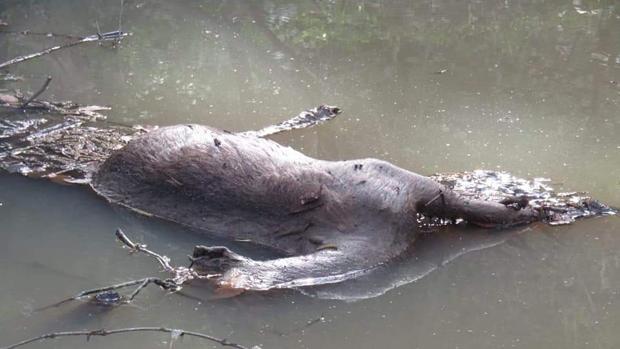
x=108 y=295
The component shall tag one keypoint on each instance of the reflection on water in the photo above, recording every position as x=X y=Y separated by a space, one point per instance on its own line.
x=529 y=87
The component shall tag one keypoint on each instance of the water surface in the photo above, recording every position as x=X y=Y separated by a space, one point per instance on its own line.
x=529 y=87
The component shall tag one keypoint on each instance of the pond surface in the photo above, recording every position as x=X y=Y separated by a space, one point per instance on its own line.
x=530 y=87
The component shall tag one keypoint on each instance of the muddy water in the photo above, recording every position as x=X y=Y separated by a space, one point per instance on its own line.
x=529 y=87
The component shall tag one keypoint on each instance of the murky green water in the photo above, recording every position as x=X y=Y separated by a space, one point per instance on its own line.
x=530 y=87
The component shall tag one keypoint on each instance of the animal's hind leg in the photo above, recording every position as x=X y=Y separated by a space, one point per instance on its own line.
x=234 y=273
x=436 y=200
x=307 y=118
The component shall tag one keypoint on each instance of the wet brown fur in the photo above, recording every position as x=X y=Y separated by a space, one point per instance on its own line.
x=334 y=219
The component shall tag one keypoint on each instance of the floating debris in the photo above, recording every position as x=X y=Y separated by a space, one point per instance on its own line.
x=10 y=77
x=61 y=141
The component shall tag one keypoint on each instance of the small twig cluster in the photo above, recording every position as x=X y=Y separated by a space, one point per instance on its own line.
x=180 y=274
x=108 y=296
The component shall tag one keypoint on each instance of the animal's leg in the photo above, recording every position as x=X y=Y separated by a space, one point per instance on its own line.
x=439 y=201
x=305 y=119
x=233 y=271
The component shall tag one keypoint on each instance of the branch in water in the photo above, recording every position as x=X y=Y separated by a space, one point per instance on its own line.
x=108 y=296
x=175 y=334
x=114 y=35
x=163 y=260
x=15 y=100
x=181 y=275
x=38 y=93
x=48 y=34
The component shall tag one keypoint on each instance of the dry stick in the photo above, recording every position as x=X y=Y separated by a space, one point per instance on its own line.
x=103 y=332
x=163 y=260
x=97 y=37
x=36 y=94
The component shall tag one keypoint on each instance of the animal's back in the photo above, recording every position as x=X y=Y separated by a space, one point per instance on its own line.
x=210 y=179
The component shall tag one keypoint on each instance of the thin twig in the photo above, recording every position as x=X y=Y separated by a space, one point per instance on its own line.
x=138 y=289
x=163 y=260
x=435 y=198
x=308 y=323
x=103 y=333
x=115 y=35
x=108 y=288
x=36 y=94
x=96 y=291
x=120 y=17
x=180 y=276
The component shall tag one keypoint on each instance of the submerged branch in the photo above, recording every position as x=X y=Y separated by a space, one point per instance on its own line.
x=175 y=333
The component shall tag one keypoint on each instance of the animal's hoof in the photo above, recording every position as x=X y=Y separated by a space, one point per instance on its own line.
x=328 y=109
x=515 y=202
x=214 y=259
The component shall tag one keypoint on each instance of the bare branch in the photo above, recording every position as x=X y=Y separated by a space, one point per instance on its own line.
x=115 y=35
x=120 y=17
x=180 y=275
x=47 y=34
x=106 y=296
x=163 y=260
x=98 y=294
x=103 y=333
x=38 y=93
